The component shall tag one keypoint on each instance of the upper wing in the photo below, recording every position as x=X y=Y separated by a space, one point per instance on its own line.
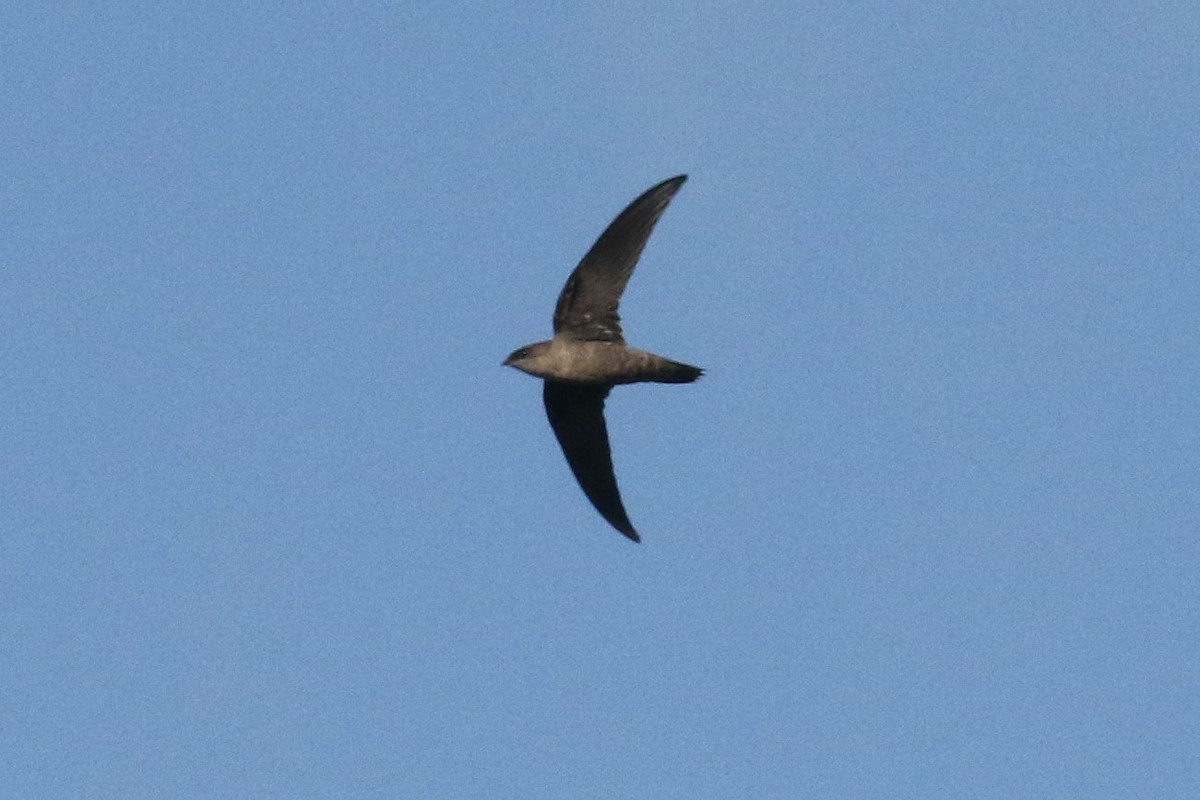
x=576 y=413
x=587 y=306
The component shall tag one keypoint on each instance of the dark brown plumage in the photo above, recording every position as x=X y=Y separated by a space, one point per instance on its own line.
x=588 y=354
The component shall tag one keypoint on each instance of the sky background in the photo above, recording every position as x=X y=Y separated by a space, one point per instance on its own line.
x=276 y=523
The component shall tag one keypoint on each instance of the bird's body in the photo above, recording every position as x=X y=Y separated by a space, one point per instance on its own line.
x=608 y=363
x=588 y=354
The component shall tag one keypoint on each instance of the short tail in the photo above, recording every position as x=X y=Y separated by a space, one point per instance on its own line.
x=675 y=372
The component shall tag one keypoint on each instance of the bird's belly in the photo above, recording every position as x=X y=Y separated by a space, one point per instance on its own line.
x=600 y=362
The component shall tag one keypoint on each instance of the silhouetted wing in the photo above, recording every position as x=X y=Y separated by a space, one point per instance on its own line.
x=587 y=306
x=576 y=413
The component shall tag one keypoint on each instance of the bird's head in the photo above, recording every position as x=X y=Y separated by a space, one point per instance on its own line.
x=530 y=359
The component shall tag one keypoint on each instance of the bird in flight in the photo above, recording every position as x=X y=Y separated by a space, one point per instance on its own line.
x=588 y=354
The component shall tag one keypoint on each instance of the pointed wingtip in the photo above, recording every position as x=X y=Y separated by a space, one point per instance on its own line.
x=672 y=184
x=632 y=535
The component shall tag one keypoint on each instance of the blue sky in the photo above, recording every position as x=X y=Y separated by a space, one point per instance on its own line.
x=275 y=523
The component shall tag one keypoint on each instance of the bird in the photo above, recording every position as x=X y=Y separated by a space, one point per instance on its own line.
x=588 y=355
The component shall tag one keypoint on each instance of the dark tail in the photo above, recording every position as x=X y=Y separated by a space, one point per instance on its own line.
x=675 y=372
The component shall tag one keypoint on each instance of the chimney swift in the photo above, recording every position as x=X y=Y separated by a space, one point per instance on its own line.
x=588 y=354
